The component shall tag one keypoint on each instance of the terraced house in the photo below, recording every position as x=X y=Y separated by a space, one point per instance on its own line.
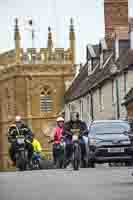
x=98 y=91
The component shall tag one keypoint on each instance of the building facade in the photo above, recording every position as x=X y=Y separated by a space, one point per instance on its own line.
x=33 y=83
x=101 y=85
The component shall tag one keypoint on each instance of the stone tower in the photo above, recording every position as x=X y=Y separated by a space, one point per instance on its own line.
x=33 y=83
x=116 y=16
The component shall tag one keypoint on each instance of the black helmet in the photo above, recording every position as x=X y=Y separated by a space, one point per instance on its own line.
x=74 y=116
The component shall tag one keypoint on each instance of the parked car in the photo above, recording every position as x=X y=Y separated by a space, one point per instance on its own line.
x=109 y=142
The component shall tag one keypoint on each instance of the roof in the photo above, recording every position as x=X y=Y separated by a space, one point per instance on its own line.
x=85 y=82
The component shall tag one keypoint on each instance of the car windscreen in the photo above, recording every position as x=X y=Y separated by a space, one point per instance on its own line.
x=109 y=128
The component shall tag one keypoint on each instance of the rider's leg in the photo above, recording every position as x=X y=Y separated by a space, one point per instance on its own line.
x=29 y=147
x=83 y=152
x=12 y=153
x=55 y=153
x=68 y=154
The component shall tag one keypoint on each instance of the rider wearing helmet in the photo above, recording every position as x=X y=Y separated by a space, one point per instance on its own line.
x=74 y=123
x=15 y=129
x=57 y=136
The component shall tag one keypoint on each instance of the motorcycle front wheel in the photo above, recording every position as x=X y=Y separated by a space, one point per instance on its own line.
x=20 y=161
x=76 y=156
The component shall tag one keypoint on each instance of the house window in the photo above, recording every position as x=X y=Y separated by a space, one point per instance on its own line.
x=46 y=100
x=100 y=100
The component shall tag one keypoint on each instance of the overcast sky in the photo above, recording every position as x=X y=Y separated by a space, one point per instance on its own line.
x=88 y=19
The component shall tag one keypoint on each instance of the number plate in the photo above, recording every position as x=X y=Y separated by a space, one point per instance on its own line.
x=115 y=150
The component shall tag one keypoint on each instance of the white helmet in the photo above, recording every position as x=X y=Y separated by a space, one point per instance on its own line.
x=60 y=119
x=18 y=118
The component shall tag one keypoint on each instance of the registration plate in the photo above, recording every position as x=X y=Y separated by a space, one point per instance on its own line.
x=115 y=150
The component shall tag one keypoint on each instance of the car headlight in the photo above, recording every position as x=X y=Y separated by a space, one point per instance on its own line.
x=126 y=142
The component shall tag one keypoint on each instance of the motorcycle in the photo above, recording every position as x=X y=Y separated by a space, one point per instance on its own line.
x=21 y=153
x=60 y=153
x=77 y=137
x=76 y=154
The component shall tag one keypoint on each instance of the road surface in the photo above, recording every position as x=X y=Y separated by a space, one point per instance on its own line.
x=86 y=184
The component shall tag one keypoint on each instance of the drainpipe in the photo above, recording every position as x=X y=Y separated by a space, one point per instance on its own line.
x=92 y=111
x=117 y=99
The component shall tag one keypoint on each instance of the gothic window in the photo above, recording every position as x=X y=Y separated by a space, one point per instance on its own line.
x=46 y=100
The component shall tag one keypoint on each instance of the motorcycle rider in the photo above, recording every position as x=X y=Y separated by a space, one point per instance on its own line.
x=74 y=123
x=57 y=136
x=15 y=129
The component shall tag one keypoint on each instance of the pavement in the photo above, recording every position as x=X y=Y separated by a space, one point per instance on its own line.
x=115 y=183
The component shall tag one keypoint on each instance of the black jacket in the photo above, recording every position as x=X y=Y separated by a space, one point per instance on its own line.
x=14 y=130
x=75 y=125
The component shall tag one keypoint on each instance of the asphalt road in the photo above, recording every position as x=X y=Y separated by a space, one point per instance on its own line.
x=87 y=184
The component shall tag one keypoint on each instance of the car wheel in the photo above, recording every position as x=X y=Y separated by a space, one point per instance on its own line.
x=128 y=163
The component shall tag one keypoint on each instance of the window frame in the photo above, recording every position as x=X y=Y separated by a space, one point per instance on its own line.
x=46 y=100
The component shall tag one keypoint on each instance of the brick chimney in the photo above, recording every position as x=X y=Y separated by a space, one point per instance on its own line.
x=116 y=15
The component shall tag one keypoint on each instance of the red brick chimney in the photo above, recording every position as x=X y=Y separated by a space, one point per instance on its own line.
x=116 y=16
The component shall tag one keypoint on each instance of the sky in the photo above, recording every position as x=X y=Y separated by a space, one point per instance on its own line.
x=88 y=18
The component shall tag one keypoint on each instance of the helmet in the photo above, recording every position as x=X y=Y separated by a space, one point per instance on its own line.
x=18 y=118
x=74 y=116
x=60 y=119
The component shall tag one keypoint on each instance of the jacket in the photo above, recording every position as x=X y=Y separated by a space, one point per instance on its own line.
x=57 y=134
x=36 y=145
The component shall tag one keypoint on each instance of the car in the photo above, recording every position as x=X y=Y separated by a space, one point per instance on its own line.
x=109 y=141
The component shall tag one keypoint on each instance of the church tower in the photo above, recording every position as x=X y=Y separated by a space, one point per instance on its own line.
x=116 y=16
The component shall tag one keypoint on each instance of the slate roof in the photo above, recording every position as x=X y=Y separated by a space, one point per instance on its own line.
x=84 y=82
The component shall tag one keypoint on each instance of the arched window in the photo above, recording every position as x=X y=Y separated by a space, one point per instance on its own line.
x=46 y=100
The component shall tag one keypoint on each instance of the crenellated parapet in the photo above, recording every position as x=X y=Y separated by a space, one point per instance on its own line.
x=48 y=55
x=43 y=55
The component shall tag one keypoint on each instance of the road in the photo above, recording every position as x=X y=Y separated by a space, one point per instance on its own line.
x=87 y=184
